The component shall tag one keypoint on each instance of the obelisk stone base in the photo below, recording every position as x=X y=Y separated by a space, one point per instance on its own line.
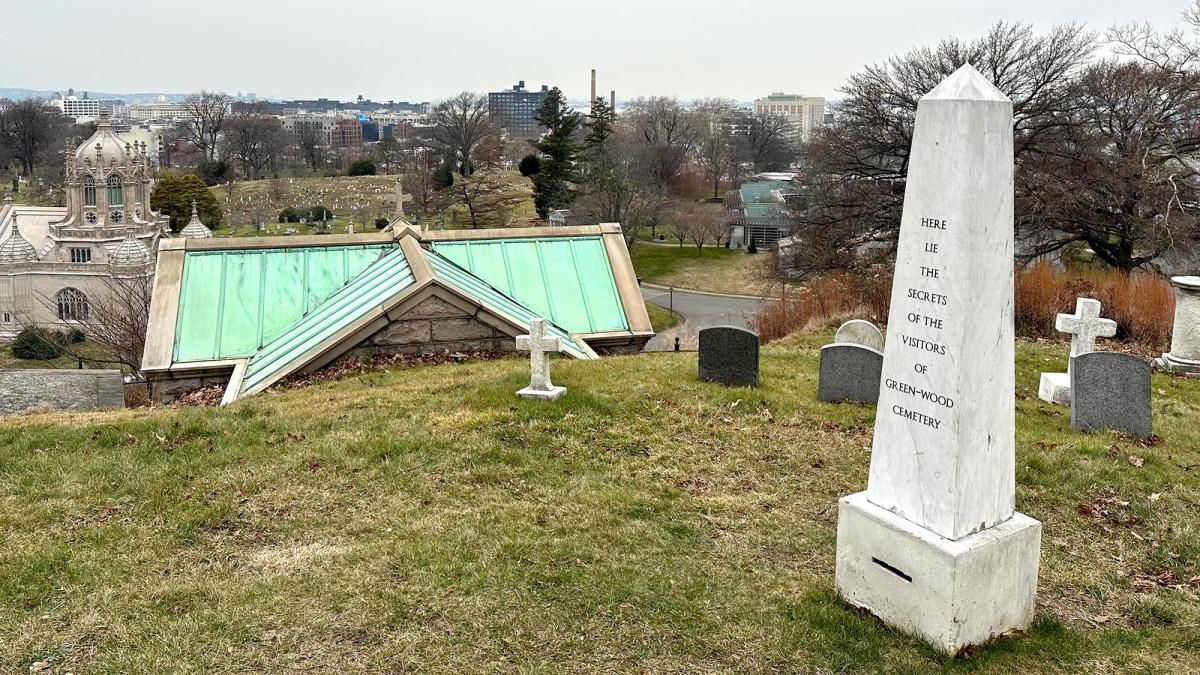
x=1055 y=388
x=952 y=594
x=552 y=394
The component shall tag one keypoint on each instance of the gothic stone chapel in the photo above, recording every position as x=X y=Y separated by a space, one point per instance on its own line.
x=54 y=260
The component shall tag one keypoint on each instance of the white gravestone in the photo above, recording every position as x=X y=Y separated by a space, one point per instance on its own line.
x=539 y=347
x=934 y=546
x=1084 y=326
x=859 y=332
x=1184 y=356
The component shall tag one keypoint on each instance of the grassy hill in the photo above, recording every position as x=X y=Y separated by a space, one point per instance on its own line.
x=339 y=194
x=427 y=518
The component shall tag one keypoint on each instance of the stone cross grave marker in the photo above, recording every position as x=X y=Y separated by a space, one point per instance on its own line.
x=934 y=546
x=401 y=200
x=539 y=347
x=1084 y=326
x=1184 y=356
x=729 y=355
x=1110 y=391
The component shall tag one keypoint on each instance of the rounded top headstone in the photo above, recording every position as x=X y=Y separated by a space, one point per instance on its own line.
x=1191 y=283
x=860 y=332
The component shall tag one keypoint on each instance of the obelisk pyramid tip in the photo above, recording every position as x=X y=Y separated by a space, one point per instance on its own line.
x=966 y=84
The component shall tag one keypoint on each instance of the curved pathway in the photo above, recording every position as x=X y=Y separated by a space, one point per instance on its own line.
x=699 y=310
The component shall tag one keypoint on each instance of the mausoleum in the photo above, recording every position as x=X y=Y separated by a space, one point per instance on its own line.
x=247 y=312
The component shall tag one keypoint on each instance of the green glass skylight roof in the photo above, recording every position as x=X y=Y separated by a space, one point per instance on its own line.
x=580 y=295
x=389 y=276
x=472 y=286
x=232 y=301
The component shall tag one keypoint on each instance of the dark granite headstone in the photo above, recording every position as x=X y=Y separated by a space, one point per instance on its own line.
x=729 y=355
x=849 y=372
x=1110 y=391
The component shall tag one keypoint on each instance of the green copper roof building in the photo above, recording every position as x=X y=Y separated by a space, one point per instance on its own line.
x=250 y=312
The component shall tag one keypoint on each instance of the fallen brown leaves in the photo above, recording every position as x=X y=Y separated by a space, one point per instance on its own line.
x=1105 y=505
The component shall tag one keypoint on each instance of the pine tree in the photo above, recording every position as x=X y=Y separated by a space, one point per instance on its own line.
x=600 y=126
x=559 y=147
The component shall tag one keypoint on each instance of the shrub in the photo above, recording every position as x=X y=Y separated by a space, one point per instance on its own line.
x=381 y=223
x=530 y=165
x=289 y=215
x=318 y=213
x=74 y=336
x=363 y=167
x=752 y=248
x=1142 y=304
x=826 y=301
x=36 y=344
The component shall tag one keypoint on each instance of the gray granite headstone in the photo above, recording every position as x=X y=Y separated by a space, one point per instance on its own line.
x=1110 y=391
x=850 y=373
x=29 y=389
x=729 y=355
x=860 y=332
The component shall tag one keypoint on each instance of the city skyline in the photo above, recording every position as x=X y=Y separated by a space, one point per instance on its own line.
x=741 y=52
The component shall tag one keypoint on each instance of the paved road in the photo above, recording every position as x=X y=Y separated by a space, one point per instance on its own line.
x=699 y=311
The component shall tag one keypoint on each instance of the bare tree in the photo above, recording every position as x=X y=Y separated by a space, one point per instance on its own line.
x=459 y=124
x=311 y=144
x=714 y=144
x=1120 y=178
x=620 y=184
x=701 y=223
x=667 y=130
x=206 y=113
x=31 y=131
x=488 y=197
x=859 y=164
x=767 y=142
x=254 y=139
x=117 y=319
x=1173 y=51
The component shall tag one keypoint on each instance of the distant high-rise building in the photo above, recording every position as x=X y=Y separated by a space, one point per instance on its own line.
x=82 y=108
x=517 y=108
x=803 y=113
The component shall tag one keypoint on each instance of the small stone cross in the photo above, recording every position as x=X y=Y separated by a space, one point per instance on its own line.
x=401 y=199
x=539 y=347
x=1085 y=325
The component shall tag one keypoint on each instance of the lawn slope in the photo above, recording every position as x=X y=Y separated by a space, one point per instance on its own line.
x=427 y=518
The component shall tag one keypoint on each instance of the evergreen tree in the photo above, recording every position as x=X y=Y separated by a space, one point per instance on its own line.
x=174 y=194
x=559 y=147
x=600 y=126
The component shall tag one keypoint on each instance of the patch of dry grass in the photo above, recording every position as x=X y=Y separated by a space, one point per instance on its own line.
x=427 y=519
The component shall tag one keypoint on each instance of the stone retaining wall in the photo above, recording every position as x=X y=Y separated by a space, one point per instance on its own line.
x=60 y=389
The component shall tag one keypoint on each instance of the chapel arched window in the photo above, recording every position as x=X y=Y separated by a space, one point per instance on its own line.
x=89 y=191
x=72 y=305
x=116 y=193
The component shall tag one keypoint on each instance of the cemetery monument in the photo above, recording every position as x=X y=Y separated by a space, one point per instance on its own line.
x=1184 y=356
x=852 y=366
x=729 y=355
x=1085 y=325
x=934 y=546
x=539 y=347
x=1110 y=391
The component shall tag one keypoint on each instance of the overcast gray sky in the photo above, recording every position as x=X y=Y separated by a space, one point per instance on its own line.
x=408 y=50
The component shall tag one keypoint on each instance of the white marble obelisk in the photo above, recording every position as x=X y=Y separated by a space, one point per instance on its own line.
x=934 y=546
